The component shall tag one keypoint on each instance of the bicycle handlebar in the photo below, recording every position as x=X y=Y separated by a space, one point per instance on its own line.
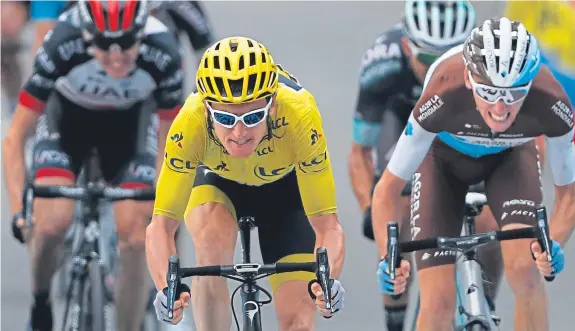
x=465 y=243
x=247 y=271
x=77 y=192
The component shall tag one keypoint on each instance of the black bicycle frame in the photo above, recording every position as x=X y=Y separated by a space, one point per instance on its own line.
x=249 y=292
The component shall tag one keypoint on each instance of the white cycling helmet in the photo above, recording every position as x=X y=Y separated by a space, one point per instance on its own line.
x=438 y=25
x=502 y=52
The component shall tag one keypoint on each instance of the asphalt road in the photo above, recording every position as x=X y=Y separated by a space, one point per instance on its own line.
x=321 y=43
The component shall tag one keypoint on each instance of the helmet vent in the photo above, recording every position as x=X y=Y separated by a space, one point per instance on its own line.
x=228 y=65
x=241 y=63
x=250 y=43
x=252 y=59
x=217 y=48
x=264 y=58
x=234 y=46
x=262 y=80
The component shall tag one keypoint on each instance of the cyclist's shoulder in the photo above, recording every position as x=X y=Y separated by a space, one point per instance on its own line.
x=445 y=95
x=159 y=50
x=548 y=103
x=64 y=40
x=192 y=112
x=384 y=59
x=294 y=101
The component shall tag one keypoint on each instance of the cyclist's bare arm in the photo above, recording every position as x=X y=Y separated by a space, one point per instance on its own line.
x=407 y=156
x=561 y=151
x=173 y=189
x=20 y=128
x=329 y=234
x=160 y=245
x=361 y=173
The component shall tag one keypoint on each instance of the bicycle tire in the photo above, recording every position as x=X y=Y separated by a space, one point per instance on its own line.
x=74 y=314
x=97 y=296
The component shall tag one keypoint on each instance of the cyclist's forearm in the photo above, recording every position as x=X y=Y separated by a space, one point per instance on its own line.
x=563 y=219
x=329 y=234
x=14 y=170
x=361 y=174
x=386 y=207
x=160 y=245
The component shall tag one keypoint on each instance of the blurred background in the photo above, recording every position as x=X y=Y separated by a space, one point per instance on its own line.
x=321 y=43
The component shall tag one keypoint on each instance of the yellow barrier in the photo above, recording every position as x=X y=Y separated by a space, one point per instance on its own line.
x=553 y=24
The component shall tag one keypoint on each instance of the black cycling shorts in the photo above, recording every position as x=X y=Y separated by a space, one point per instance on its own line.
x=285 y=234
x=124 y=140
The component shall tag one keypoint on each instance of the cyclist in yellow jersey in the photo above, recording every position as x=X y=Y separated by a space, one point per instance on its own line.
x=249 y=142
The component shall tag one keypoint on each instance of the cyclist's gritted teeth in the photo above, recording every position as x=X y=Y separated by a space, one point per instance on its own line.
x=500 y=118
x=240 y=142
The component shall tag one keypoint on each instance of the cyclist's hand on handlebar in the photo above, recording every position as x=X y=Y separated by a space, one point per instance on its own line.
x=396 y=286
x=337 y=297
x=545 y=267
x=18 y=227
x=161 y=304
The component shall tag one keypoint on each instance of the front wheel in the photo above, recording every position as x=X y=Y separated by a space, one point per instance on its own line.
x=101 y=306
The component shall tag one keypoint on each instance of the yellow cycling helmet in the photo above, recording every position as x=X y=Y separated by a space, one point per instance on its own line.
x=236 y=70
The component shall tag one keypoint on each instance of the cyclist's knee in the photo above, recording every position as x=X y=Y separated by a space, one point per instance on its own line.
x=520 y=268
x=132 y=219
x=52 y=217
x=295 y=309
x=486 y=222
x=438 y=291
x=214 y=231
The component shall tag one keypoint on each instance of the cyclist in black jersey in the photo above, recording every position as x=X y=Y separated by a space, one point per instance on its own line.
x=391 y=77
x=100 y=73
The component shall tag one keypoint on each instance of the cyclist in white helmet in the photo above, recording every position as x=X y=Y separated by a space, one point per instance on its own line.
x=390 y=83
x=483 y=105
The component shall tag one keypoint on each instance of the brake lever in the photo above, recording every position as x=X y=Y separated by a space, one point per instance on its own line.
x=173 y=278
x=322 y=273
x=543 y=236
x=393 y=258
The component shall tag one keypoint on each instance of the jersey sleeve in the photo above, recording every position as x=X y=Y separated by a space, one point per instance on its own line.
x=422 y=126
x=169 y=94
x=183 y=153
x=379 y=71
x=190 y=18
x=48 y=67
x=559 y=138
x=313 y=166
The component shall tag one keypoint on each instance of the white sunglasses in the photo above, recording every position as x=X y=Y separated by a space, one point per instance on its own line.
x=250 y=119
x=491 y=94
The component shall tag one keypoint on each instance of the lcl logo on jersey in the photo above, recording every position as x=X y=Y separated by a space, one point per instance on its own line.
x=316 y=164
x=270 y=175
x=265 y=151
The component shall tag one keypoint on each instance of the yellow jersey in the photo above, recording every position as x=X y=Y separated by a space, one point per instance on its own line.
x=297 y=143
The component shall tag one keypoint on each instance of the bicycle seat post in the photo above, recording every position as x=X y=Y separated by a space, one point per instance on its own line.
x=246 y=224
